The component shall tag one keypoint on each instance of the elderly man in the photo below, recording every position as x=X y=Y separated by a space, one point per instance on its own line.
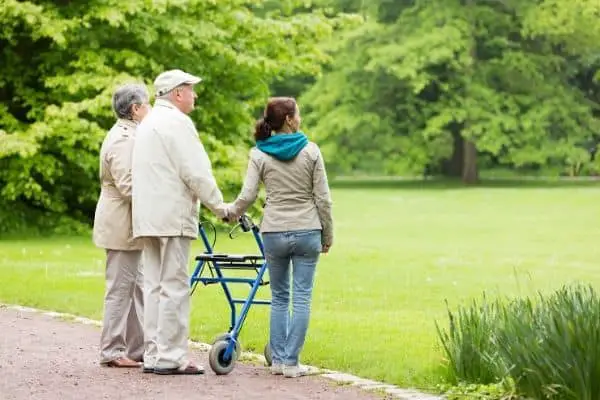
x=122 y=337
x=171 y=174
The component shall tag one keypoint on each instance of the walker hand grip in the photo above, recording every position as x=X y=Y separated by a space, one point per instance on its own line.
x=245 y=223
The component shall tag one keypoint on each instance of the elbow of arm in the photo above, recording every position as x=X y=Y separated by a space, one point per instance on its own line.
x=125 y=190
x=323 y=201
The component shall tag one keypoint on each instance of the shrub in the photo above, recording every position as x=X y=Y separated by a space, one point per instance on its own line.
x=548 y=346
x=470 y=350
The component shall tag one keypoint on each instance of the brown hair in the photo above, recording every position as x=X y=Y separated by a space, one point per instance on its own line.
x=273 y=119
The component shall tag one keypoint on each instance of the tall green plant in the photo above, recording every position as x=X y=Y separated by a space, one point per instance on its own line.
x=469 y=343
x=554 y=347
x=548 y=347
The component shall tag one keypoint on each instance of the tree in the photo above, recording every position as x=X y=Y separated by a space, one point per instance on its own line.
x=446 y=82
x=62 y=60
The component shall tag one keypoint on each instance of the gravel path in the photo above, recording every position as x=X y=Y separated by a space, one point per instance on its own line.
x=45 y=358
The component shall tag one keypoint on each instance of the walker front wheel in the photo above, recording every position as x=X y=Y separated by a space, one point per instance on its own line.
x=267 y=353
x=224 y=337
x=217 y=361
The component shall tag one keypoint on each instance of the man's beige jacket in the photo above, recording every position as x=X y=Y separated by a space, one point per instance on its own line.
x=171 y=175
x=112 y=220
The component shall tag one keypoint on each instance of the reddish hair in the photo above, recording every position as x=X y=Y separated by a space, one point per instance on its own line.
x=274 y=117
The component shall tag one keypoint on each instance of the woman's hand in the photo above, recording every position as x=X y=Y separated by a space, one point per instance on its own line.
x=230 y=216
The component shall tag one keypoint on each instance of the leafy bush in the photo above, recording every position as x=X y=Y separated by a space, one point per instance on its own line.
x=17 y=220
x=548 y=346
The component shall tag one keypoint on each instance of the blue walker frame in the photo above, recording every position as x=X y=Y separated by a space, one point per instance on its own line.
x=226 y=348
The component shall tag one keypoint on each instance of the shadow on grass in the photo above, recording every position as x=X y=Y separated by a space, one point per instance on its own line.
x=454 y=184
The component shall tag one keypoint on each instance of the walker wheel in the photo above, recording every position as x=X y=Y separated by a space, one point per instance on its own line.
x=224 y=337
x=267 y=353
x=217 y=360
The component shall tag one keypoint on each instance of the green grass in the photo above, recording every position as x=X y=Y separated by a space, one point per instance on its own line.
x=401 y=250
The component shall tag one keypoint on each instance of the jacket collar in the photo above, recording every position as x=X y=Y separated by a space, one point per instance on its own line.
x=127 y=123
x=165 y=103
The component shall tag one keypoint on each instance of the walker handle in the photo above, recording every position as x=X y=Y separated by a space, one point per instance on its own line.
x=246 y=223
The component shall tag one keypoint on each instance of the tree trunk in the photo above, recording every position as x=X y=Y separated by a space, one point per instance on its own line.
x=454 y=166
x=470 y=173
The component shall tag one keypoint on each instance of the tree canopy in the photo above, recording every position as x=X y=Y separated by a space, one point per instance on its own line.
x=427 y=86
x=61 y=62
x=386 y=87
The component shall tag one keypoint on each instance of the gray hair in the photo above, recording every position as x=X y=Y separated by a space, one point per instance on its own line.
x=126 y=96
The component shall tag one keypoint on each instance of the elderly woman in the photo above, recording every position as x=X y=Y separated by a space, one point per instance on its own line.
x=122 y=338
x=297 y=224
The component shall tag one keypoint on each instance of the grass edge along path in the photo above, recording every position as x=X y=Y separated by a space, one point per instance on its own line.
x=335 y=376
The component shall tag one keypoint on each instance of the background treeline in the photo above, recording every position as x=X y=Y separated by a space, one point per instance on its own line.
x=387 y=87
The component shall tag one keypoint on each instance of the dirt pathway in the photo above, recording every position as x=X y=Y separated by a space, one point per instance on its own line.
x=45 y=358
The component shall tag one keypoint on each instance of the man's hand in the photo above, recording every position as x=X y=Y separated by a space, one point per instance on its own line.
x=228 y=211
x=325 y=248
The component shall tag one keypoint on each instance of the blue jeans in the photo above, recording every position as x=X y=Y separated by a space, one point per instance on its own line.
x=302 y=248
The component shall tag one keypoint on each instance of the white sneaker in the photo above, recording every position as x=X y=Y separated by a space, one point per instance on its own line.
x=295 y=371
x=277 y=369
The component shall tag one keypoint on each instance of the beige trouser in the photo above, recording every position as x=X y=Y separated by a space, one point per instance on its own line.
x=122 y=329
x=167 y=301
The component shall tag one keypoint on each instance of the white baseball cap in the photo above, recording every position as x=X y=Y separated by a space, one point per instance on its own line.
x=169 y=80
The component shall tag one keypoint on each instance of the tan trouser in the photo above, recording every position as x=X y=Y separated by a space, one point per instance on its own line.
x=122 y=329
x=167 y=301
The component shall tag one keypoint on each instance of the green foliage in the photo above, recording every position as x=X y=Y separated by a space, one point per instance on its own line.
x=463 y=391
x=406 y=84
x=494 y=73
x=549 y=346
x=573 y=23
x=472 y=356
x=60 y=63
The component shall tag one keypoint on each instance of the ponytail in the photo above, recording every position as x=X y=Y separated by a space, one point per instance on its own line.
x=262 y=130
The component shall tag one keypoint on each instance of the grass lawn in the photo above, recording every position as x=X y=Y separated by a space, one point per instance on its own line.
x=401 y=251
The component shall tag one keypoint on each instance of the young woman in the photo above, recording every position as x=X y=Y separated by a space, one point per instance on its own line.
x=296 y=227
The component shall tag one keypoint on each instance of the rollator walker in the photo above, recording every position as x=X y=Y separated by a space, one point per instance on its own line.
x=211 y=269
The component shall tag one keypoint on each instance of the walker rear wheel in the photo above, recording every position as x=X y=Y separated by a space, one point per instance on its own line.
x=223 y=337
x=267 y=353
x=217 y=361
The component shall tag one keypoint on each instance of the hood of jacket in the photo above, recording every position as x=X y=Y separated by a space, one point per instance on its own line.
x=283 y=146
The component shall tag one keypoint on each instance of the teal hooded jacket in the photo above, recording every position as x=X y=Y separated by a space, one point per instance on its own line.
x=283 y=146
